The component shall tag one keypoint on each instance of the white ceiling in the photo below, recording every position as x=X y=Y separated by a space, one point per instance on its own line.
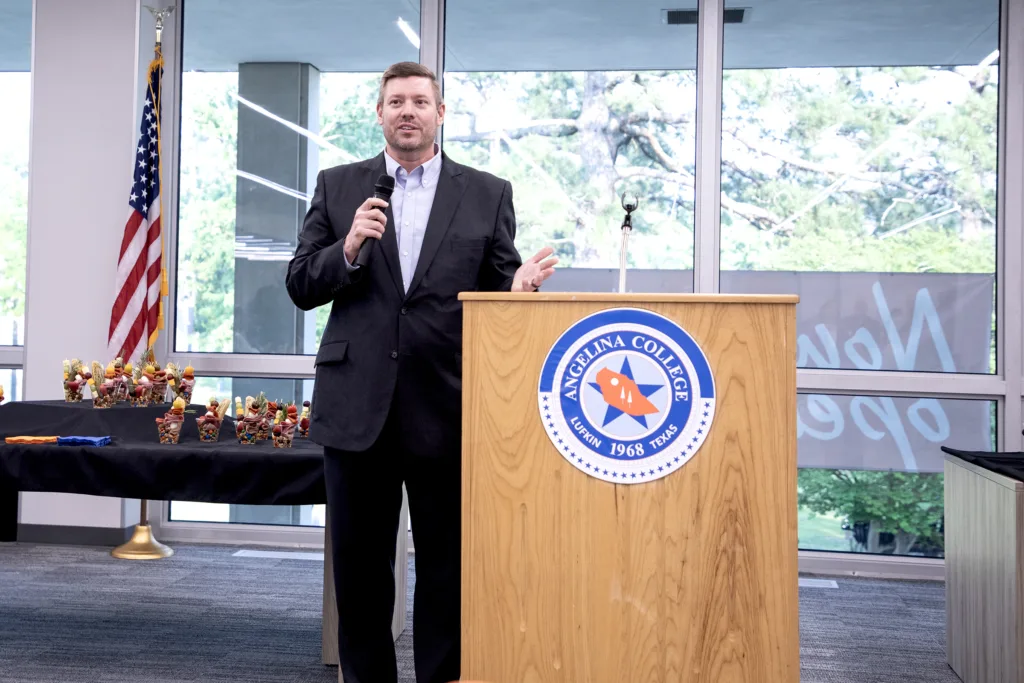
x=533 y=35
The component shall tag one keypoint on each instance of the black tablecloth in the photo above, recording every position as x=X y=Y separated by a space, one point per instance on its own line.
x=1008 y=464
x=137 y=465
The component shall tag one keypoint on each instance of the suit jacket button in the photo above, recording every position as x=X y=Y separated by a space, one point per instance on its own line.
x=404 y=310
x=394 y=354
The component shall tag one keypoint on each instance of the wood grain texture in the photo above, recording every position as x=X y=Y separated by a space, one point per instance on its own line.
x=984 y=547
x=691 y=578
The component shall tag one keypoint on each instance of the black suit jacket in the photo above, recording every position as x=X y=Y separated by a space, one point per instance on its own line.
x=385 y=349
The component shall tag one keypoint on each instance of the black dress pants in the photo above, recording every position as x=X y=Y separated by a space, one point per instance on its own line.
x=364 y=491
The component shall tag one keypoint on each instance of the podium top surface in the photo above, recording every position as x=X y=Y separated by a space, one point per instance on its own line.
x=632 y=297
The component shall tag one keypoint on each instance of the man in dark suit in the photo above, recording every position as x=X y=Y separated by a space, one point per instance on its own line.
x=387 y=401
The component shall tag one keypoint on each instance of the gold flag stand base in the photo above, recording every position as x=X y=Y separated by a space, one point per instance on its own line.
x=142 y=545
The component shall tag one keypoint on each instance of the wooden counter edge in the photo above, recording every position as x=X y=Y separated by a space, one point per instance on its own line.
x=632 y=297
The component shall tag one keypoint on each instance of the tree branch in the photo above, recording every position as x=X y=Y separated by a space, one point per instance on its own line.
x=755 y=215
x=740 y=171
x=547 y=127
x=651 y=117
x=879 y=178
x=659 y=152
x=567 y=127
x=684 y=179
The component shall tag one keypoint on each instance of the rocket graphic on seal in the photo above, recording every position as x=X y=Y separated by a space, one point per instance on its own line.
x=621 y=392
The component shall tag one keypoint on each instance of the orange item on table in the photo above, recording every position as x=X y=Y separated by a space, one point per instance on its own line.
x=31 y=439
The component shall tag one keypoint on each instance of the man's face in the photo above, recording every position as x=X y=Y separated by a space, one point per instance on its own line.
x=410 y=115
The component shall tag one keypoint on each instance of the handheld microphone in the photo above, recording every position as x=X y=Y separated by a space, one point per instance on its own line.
x=382 y=190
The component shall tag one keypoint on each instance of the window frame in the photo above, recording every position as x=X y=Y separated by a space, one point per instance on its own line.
x=12 y=356
x=1004 y=386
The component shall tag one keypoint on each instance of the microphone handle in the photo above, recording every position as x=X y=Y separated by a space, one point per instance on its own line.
x=366 y=248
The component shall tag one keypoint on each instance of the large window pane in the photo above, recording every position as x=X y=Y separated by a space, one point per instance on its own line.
x=870 y=476
x=859 y=166
x=11 y=381
x=222 y=388
x=574 y=113
x=246 y=175
x=15 y=81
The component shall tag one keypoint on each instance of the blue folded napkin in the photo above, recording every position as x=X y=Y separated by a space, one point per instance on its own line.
x=83 y=440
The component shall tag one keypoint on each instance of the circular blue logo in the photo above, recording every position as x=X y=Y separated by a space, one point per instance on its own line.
x=626 y=395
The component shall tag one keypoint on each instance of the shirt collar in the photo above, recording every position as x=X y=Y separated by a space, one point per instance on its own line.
x=430 y=170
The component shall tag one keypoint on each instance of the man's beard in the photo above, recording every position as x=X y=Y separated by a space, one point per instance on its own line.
x=409 y=145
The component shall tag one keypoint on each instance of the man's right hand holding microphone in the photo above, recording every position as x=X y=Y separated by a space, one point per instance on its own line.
x=368 y=223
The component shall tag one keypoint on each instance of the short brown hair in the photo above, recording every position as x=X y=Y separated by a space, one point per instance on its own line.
x=409 y=70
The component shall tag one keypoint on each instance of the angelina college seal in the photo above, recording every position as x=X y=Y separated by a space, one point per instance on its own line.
x=626 y=395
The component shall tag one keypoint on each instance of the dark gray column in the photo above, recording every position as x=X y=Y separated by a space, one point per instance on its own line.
x=266 y=225
x=268 y=220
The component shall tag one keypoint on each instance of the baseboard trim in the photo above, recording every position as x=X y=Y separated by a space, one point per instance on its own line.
x=74 y=535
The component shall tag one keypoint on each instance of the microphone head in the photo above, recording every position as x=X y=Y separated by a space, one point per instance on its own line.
x=385 y=185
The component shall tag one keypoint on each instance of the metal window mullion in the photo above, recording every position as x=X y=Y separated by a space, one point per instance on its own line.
x=227 y=532
x=432 y=45
x=707 y=218
x=247 y=365
x=12 y=356
x=170 y=125
x=1010 y=223
x=432 y=35
x=894 y=383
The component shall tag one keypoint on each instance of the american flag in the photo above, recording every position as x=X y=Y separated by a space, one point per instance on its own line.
x=137 y=315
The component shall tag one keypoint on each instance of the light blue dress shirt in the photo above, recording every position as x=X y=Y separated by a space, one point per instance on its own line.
x=410 y=205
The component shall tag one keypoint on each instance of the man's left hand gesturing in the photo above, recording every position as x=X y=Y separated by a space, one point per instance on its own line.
x=535 y=271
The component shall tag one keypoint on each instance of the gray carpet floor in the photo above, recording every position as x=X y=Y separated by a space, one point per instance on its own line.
x=77 y=614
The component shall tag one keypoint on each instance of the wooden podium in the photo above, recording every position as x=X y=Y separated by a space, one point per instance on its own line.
x=569 y=578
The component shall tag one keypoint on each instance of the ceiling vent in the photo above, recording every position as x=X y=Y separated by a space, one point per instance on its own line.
x=688 y=17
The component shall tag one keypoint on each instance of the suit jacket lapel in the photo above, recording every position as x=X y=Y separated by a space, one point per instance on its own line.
x=389 y=242
x=451 y=185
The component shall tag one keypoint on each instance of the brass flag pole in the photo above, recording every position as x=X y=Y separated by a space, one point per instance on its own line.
x=142 y=545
